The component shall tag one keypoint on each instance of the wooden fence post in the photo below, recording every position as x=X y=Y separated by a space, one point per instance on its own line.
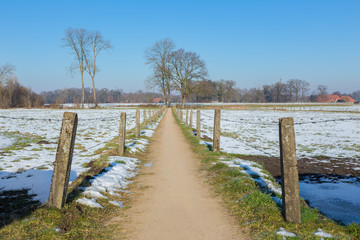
x=62 y=164
x=187 y=117
x=181 y=115
x=198 y=125
x=137 y=126
x=191 y=119
x=150 y=117
x=289 y=171
x=122 y=132
x=216 y=137
x=144 y=117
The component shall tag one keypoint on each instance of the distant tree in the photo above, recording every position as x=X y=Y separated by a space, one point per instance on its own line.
x=220 y=89
x=205 y=91
x=96 y=44
x=356 y=95
x=78 y=41
x=187 y=67
x=158 y=57
x=230 y=90
x=278 y=91
x=5 y=71
x=322 y=90
x=267 y=93
x=297 y=89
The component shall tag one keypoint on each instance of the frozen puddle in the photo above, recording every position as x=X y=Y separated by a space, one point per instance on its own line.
x=337 y=198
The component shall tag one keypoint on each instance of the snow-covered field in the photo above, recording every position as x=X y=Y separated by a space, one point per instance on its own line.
x=318 y=133
x=28 y=142
x=256 y=132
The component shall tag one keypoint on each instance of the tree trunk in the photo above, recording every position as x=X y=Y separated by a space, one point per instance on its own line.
x=183 y=100
x=83 y=89
x=169 y=98
x=93 y=83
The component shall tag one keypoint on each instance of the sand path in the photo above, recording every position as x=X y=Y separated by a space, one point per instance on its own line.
x=176 y=203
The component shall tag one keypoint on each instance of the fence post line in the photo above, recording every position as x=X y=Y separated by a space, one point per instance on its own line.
x=191 y=119
x=122 y=132
x=137 y=126
x=62 y=164
x=181 y=115
x=150 y=120
x=198 y=125
x=216 y=137
x=144 y=117
x=187 y=117
x=289 y=171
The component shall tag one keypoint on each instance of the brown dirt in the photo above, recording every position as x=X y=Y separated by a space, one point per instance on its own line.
x=174 y=202
x=308 y=166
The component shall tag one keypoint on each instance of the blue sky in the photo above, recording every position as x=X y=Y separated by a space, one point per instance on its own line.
x=250 y=42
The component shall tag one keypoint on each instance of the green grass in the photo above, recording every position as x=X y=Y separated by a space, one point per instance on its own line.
x=255 y=211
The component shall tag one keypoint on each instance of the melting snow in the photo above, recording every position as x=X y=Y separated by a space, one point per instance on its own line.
x=284 y=233
x=322 y=233
x=113 y=179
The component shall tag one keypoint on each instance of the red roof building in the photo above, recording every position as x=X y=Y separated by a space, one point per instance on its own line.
x=327 y=98
x=157 y=100
x=334 y=99
x=347 y=99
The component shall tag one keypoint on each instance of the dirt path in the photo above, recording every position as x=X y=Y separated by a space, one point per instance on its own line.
x=176 y=204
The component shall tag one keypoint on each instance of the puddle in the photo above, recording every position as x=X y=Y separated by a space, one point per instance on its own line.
x=336 y=197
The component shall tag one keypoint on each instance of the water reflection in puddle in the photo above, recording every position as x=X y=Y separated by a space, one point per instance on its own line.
x=336 y=197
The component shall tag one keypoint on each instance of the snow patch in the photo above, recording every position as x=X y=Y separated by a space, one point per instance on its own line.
x=322 y=233
x=113 y=179
x=89 y=202
x=284 y=233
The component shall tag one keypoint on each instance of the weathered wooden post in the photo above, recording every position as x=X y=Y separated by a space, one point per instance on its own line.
x=289 y=171
x=62 y=164
x=191 y=119
x=198 y=125
x=216 y=137
x=150 y=117
x=144 y=117
x=122 y=132
x=181 y=115
x=187 y=117
x=137 y=126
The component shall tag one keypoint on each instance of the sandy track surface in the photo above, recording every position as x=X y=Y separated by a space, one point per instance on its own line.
x=175 y=204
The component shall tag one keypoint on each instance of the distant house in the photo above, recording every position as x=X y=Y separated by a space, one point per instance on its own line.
x=346 y=99
x=157 y=100
x=334 y=99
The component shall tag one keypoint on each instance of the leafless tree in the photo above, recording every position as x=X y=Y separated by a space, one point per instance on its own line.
x=78 y=41
x=186 y=68
x=158 y=56
x=5 y=71
x=96 y=44
x=322 y=89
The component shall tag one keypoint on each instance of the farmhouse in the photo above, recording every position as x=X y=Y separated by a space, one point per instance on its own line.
x=334 y=99
x=157 y=100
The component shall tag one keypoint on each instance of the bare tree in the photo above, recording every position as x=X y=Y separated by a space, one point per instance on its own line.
x=230 y=91
x=158 y=56
x=96 y=44
x=322 y=89
x=186 y=68
x=5 y=71
x=78 y=40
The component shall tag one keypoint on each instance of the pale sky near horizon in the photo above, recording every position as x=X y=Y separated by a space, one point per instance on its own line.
x=251 y=42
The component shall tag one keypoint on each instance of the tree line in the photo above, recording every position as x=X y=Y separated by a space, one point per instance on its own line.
x=74 y=95
x=293 y=90
x=13 y=94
